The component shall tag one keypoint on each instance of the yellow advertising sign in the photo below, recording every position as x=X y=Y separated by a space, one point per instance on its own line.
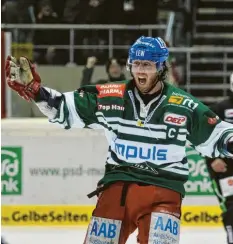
x=66 y=215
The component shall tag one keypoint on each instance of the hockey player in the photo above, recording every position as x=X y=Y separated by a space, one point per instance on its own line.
x=221 y=169
x=147 y=123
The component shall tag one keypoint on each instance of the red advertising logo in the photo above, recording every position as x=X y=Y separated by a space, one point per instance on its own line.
x=111 y=90
x=175 y=119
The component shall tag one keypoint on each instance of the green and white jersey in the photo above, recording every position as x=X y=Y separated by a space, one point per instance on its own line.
x=146 y=142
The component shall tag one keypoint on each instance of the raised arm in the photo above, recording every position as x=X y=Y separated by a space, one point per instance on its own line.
x=70 y=109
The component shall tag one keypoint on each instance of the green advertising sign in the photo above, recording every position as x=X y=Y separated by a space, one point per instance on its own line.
x=199 y=182
x=11 y=175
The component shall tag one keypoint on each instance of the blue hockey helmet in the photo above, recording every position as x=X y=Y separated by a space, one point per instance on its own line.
x=149 y=48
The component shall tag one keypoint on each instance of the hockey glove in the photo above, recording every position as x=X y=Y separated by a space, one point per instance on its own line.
x=22 y=78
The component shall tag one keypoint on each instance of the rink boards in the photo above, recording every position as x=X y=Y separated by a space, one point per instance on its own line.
x=66 y=215
x=47 y=173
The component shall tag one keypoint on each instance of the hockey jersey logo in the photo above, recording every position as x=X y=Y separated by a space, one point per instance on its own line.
x=183 y=102
x=111 y=90
x=110 y=107
x=176 y=99
x=175 y=119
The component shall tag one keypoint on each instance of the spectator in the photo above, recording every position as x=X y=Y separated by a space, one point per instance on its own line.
x=46 y=15
x=138 y=12
x=9 y=10
x=22 y=12
x=173 y=74
x=71 y=11
x=114 y=69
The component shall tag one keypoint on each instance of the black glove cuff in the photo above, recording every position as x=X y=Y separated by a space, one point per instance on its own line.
x=45 y=96
x=230 y=146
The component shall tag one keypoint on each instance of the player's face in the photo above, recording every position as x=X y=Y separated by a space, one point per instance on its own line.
x=145 y=75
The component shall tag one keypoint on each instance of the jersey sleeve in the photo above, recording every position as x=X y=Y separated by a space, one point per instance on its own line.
x=69 y=109
x=208 y=133
x=77 y=109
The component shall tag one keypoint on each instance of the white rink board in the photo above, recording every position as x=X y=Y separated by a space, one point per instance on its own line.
x=80 y=152
x=47 y=145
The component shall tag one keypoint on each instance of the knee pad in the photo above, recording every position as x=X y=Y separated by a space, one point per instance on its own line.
x=164 y=228
x=102 y=230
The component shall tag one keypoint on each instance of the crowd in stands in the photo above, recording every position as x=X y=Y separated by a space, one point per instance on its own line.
x=130 y=12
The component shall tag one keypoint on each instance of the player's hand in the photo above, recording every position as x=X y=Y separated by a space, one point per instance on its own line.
x=219 y=166
x=22 y=78
x=91 y=61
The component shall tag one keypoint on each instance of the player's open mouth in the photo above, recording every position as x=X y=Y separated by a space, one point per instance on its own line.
x=142 y=80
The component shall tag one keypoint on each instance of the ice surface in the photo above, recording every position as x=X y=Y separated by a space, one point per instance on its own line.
x=68 y=235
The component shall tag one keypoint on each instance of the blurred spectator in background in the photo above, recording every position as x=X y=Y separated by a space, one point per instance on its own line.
x=19 y=12
x=114 y=69
x=173 y=74
x=130 y=12
x=46 y=15
x=10 y=11
x=71 y=11
x=138 y=12
x=92 y=12
x=95 y=12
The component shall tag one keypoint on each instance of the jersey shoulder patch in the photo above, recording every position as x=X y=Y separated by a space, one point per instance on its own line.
x=180 y=99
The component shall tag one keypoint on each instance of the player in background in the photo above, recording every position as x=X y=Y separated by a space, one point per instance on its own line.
x=147 y=123
x=221 y=169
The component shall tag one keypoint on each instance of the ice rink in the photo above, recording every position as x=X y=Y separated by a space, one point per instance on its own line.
x=35 y=235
